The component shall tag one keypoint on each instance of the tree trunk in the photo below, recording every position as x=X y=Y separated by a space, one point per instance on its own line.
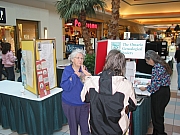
x=113 y=32
x=85 y=33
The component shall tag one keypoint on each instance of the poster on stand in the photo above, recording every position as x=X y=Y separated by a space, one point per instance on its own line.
x=127 y=35
x=46 y=54
x=38 y=66
x=130 y=70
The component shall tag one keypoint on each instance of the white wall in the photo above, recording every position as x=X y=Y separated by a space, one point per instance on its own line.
x=55 y=31
x=47 y=17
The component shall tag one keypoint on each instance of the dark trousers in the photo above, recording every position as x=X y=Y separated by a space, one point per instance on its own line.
x=159 y=101
x=77 y=115
x=1 y=68
x=10 y=73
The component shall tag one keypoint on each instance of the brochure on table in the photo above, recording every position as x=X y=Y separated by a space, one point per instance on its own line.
x=132 y=49
x=141 y=82
x=38 y=66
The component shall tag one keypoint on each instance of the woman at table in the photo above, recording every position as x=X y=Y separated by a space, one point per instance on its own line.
x=159 y=89
x=8 y=59
x=177 y=57
x=76 y=111
x=111 y=97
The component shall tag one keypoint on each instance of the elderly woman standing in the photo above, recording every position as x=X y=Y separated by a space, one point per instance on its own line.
x=75 y=110
x=8 y=59
x=159 y=89
x=111 y=97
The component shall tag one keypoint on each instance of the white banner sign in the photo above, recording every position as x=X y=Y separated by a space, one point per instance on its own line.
x=132 y=49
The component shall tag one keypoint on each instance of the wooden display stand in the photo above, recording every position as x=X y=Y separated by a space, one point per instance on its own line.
x=38 y=66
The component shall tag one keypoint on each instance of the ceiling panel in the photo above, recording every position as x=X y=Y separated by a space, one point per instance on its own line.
x=146 y=12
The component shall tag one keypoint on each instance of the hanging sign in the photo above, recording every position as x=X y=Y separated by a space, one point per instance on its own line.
x=132 y=49
x=2 y=15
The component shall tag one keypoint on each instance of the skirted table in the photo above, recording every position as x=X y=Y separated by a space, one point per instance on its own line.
x=142 y=117
x=29 y=114
x=142 y=114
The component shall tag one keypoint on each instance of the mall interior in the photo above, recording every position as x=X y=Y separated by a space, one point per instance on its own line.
x=156 y=21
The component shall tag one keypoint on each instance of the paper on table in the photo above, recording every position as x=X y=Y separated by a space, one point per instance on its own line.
x=139 y=92
x=138 y=86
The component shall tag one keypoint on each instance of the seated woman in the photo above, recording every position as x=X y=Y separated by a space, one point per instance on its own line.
x=111 y=97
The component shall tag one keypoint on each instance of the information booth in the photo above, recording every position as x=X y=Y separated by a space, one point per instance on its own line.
x=133 y=49
x=33 y=106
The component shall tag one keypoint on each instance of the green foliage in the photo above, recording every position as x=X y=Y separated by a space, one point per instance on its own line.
x=89 y=62
x=69 y=8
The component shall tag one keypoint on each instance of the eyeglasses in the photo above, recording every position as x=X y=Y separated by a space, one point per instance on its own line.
x=79 y=58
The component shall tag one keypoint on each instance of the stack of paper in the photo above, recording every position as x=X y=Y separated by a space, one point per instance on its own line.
x=139 y=92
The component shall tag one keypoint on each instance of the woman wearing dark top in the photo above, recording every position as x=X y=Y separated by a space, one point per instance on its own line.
x=1 y=66
x=111 y=97
x=177 y=57
x=159 y=89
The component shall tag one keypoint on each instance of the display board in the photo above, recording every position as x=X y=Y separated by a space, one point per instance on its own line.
x=28 y=70
x=39 y=66
x=132 y=49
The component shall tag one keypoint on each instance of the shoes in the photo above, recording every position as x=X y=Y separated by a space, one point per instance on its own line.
x=178 y=88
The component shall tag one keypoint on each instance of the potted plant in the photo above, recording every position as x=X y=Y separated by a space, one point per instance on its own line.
x=89 y=62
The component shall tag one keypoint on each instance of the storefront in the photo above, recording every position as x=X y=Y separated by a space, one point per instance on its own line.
x=26 y=30
x=7 y=35
x=74 y=37
x=73 y=30
x=28 y=22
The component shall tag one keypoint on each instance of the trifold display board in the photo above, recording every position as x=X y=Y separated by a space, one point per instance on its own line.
x=38 y=66
x=132 y=49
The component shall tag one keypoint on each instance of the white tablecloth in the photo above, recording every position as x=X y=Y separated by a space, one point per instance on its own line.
x=15 y=89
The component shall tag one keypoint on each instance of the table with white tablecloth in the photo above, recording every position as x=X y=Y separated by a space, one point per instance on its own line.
x=23 y=112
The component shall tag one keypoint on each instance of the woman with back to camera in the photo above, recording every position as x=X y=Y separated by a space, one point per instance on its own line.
x=111 y=97
x=159 y=89
x=8 y=59
x=76 y=111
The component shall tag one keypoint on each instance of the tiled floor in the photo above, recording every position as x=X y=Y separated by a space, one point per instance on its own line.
x=172 y=114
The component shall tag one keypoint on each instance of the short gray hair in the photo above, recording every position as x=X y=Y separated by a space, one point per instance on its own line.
x=75 y=52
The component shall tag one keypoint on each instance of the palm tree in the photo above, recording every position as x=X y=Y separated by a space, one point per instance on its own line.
x=113 y=32
x=82 y=9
